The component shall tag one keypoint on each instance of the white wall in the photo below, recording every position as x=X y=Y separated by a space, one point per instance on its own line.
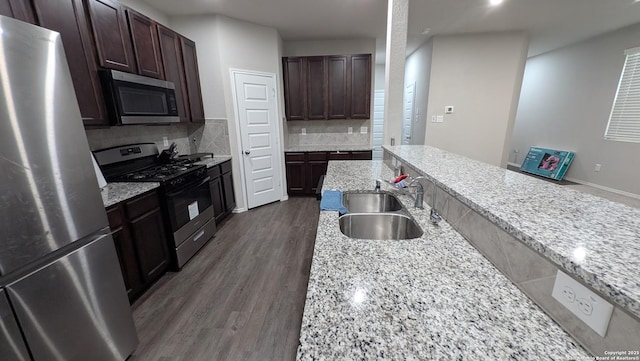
x=566 y=100
x=224 y=43
x=330 y=47
x=481 y=76
x=378 y=83
x=418 y=70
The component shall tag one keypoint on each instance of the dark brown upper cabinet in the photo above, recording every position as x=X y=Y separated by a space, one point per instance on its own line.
x=338 y=94
x=113 y=42
x=316 y=87
x=327 y=87
x=194 y=93
x=68 y=17
x=295 y=88
x=17 y=9
x=173 y=68
x=360 y=86
x=146 y=50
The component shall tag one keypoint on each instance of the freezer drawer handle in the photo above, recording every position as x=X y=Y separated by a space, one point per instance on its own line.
x=197 y=236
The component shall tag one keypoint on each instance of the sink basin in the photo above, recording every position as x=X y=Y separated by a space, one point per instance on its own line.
x=371 y=202
x=393 y=226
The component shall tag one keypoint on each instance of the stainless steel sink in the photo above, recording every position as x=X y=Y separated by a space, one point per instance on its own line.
x=370 y=202
x=379 y=226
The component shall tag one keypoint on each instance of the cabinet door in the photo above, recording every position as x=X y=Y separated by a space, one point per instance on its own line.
x=317 y=168
x=361 y=155
x=217 y=198
x=111 y=33
x=316 y=87
x=360 y=86
x=146 y=50
x=229 y=196
x=151 y=244
x=296 y=180
x=294 y=88
x=128 y=262
x=337 y=87
x=194 y=92
x=68 y=18
x=173 y=68
x=17 y=9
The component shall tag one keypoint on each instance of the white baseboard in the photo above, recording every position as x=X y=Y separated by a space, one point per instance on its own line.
x=239 y=210
x=284 y=198
x=598 y=186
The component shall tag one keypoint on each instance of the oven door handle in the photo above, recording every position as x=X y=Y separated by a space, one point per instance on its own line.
x=190 y=185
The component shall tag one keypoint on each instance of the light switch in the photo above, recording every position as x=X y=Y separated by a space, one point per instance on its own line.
x=350 y=130
x=440 y=119
x=303 y=131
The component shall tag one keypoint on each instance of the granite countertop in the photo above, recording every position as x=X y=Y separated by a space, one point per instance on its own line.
x=592 y=238
x=433 y=297
x=326 y=148
x=117 y=192
x=210 y=162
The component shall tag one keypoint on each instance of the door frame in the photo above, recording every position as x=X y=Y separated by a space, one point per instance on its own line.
x=280 y=154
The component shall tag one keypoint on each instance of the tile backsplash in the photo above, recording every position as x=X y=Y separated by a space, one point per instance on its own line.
x=328 y=132
x=210 y=137
x=130 y=134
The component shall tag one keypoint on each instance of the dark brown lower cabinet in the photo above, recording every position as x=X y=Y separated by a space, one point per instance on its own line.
x=138 y=232
x=304 y=169
x=221 y=185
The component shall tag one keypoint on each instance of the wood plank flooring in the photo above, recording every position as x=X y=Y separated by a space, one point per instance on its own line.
x=241 y=297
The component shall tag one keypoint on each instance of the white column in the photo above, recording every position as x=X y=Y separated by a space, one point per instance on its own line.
x=397 y=20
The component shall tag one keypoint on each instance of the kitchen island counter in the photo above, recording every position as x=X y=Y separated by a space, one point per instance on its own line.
x=434 y=297
x=593 y=239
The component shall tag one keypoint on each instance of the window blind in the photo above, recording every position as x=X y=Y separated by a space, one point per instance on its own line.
x=624 y=121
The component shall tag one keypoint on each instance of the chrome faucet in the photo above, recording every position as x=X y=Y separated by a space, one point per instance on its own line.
x=434 y=217
x=377 y=188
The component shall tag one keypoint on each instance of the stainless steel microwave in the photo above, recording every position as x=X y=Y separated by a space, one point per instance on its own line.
x=136 y=99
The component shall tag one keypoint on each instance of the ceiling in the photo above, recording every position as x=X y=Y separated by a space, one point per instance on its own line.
x=550 y=23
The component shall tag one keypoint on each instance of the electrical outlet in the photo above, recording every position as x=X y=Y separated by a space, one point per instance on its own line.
x=364 y=130
x=165 y=141
x=582 y=302
x=303 y=131
x=598 y=166
x=350 y=130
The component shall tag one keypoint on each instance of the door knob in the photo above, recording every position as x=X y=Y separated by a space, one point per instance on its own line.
x=247 y=152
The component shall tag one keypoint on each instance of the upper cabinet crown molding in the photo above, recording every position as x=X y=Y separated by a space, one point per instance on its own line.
x=327 y=87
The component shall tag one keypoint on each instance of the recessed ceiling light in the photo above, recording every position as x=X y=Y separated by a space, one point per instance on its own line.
x=495 y=2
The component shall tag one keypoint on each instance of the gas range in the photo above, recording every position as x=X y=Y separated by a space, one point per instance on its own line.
x=184 y=190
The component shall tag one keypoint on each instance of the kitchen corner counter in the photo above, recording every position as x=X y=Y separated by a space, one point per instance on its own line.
x=328 y=148
x=591 y=238
x=117 y=192
x=211 y=162
x=433 y=297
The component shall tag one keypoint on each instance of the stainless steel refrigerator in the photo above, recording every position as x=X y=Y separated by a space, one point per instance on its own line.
x=62 y=296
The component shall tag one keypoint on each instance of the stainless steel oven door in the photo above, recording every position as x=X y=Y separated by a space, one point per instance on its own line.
x=188 y=202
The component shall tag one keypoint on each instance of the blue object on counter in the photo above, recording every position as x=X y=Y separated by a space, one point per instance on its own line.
x=548 y=163
x=332 y=201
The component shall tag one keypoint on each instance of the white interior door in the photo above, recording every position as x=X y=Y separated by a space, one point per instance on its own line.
x=257 y=118
x=407 y=116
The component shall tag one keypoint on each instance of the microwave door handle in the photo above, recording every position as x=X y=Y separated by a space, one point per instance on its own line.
x=205 y=180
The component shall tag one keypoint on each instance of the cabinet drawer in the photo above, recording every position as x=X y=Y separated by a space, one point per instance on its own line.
x=214 y=172
x=142 y=204
x=339 y=156
x=361 y=155
x=115 y=216
x=225 y=167
x=317 y=156
x=294 y=157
